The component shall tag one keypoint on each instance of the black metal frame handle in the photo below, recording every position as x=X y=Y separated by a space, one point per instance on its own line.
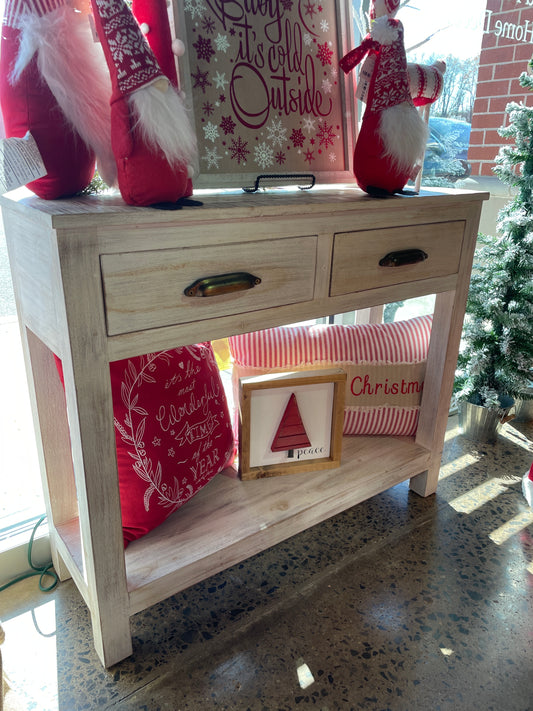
x=403 y=257
x=222 y=284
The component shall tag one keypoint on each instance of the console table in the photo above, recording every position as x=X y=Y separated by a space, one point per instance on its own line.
x=97 y=281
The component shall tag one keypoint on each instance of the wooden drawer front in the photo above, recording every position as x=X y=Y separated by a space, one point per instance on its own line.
x=144 y=290
x=356 y=256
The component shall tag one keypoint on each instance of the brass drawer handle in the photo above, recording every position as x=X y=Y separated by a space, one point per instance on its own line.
x=403 y=257
x=222 y=284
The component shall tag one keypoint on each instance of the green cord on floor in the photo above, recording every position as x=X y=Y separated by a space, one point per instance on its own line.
x=43 y=571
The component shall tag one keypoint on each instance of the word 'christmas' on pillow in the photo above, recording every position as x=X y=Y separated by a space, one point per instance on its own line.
x=172 y=430
x=385 y=365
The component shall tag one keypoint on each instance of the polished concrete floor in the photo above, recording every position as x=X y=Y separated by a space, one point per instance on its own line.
x=400 y=603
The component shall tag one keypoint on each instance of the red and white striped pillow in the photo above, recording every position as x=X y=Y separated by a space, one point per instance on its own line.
x=297 y=347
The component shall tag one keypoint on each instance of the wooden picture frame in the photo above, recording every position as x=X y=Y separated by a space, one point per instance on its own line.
x=265 y=89
x=268 y=412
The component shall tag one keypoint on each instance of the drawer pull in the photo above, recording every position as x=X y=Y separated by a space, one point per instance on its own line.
x=403 y=257
x=222 y=284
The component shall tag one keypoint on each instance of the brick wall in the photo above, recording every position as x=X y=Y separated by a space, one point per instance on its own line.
x=506 y=48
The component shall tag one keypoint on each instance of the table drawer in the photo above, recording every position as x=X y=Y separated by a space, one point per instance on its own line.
x=145 y=290
x=357 y=255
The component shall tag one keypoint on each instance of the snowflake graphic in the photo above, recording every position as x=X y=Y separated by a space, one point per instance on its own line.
x=171 y=452
x=332 y=156
x=325 y=134
x=200 y=79
x=211 y=132
x=208 y=108
x=263 y=155
x=280 y=157
x=309 y=156
x=204 y=48
x=309 y=124
x=324 y=25
x=221 y=43
x=276 y=133
x=227 y=125
x=238 y=150
x=334 y=71
x=220 y=81
x=308 y=38
x=208 y=25
x=324 y=54
x=297 y=137
x=211 y=157
x=195 y=8
x=287 y=5
x=327 y=86
x=156 y=441
x=310 y=9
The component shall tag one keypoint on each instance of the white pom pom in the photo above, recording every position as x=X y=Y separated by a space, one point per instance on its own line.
x=178 y=48
x=145 y=28
x=383 y=31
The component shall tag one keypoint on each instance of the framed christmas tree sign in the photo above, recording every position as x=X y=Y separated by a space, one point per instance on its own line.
x=267 y=95
x=290 y=422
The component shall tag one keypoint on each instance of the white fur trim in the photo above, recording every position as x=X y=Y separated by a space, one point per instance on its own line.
x=527 y=489
x=74 y=68
x=164 y=123
x=404 y=134
x=383 y=31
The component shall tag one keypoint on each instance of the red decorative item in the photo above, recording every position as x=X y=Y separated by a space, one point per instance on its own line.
x=291 y=432
x=172 y=429
x=29 y=105
x=392 y=137
x=426 y=82
x=152 y=140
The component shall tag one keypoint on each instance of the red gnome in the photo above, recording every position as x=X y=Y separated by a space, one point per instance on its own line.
x=392 y=138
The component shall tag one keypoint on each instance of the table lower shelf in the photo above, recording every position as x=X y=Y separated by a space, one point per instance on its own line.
x=230 y=520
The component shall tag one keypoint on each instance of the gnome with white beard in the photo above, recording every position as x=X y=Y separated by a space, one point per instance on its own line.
x=391 y=141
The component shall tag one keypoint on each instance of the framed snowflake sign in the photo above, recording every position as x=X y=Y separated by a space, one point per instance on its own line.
x=290 y=422
x=266 y=91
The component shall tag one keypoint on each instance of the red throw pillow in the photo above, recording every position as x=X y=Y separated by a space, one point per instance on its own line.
x=29 y=105
x=385 y=365
x=173 y=432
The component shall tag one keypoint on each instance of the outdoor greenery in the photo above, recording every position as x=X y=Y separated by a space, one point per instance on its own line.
x=496 y=358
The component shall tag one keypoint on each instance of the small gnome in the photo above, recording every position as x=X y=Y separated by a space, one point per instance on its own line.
x=152 y=139
x=392 y=138
x=55 y=85
x=527 y=486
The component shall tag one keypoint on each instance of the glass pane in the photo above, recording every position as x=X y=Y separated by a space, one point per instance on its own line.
x=21 y=496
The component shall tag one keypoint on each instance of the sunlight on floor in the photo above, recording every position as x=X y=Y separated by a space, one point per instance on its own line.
x=512 y=527
x=478 y=496
x=40 y=656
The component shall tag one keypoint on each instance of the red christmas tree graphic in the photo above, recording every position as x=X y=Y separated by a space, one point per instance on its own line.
x=291 y=431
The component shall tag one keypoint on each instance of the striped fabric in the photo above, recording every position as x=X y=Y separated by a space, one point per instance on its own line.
x=16 y=9
x=371 y=344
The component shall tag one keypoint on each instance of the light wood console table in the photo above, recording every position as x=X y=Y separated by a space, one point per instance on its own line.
x=98 y=281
